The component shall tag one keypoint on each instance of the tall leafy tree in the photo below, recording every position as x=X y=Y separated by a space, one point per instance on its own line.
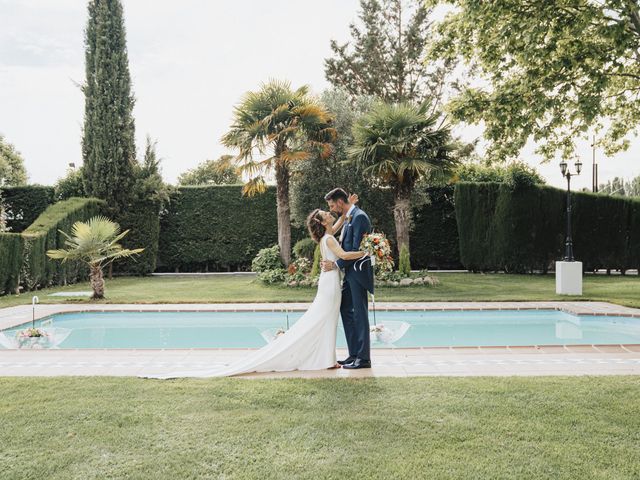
x=12 y=170
x=385 y=56
x=399 y=144
x=314 y=177
x=212 y=172
x=273 y=128
x=108 y=143
x=149 y=184
x=549 y=71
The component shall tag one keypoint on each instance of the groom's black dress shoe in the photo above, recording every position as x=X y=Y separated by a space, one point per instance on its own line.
x=358 y=363
x=346 y=361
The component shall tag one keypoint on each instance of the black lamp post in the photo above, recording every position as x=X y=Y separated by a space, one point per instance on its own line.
x=568 y=245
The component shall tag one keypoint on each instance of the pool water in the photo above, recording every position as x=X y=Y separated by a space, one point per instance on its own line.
x=423 y=328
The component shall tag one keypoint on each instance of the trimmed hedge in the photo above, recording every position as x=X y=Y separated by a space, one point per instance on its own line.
x=522 y=230
x=434 y=236
x=24 y=204
x=143 y=221
x=11 y=246
x=214 y=228
x=38 y=270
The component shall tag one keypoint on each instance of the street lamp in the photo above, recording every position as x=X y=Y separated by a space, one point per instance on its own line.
x=568 y=250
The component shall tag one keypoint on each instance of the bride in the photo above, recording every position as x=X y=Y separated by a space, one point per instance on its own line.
x=310 y=344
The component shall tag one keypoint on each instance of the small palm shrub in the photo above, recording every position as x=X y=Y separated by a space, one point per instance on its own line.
x=95 y=243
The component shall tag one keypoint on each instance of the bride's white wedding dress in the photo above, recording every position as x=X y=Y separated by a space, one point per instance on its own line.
x=310 y=344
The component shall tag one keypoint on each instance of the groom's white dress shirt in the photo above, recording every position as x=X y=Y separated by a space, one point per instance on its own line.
x=344 y=226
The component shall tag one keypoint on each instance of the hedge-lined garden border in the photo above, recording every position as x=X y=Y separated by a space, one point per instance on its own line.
x=523 y=230
x=43 y=234
x=214 y=228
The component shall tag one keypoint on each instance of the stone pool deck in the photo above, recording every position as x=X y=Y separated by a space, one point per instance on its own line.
x=395 y=362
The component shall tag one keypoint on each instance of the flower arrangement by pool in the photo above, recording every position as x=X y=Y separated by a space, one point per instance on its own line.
x=32 y=337
x=377 y=246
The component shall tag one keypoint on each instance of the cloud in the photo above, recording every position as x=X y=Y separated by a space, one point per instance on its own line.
x=40 y=34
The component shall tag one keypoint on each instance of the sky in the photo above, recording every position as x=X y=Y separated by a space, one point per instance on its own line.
x=191 y=62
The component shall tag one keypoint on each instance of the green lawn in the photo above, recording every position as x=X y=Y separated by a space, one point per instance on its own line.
x=520 y=428
x=453 y=287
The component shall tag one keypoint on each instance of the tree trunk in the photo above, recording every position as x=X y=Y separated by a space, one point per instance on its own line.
x=284 y=214
x=97 y=282
x=402 y=217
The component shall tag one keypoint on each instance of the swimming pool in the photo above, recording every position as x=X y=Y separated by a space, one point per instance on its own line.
x=167 y=330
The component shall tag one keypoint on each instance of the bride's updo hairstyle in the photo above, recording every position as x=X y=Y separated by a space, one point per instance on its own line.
x=315 y=226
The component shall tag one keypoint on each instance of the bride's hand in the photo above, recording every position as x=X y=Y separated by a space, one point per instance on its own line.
x=353 y=198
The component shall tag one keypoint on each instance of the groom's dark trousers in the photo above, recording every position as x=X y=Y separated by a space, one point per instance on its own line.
x=354 y=313
x=354 y=308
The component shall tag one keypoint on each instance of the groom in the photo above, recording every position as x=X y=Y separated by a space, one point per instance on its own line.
x=354 y=307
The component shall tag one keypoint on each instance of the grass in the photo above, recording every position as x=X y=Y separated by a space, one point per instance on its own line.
x=520 y=428
x=453 y=287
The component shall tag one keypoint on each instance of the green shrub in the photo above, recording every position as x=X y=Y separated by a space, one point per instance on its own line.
x=267 y=259
x=517 y=174
x=44 y=234
x=11 y=246
x=404 y=264
x=24 y=204
x=273 y=276
x=304 y=248
x=71 y=185
x=520 y=175
x=317 y=256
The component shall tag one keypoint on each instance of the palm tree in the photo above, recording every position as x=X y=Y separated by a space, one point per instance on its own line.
x=95 y=243
x=283 y=125
x=398 y=144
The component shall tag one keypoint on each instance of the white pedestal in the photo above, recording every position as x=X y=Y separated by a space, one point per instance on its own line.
x=569 y=278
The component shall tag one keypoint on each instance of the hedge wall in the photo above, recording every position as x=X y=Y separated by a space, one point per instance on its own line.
x=523 y=230
x=143 y=221
x=11 y=245
x=24 y=204
x=434 y=236
x=215 y=228
x=38 y=270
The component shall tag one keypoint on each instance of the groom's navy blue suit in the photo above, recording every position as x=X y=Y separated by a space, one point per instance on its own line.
x=354 y=308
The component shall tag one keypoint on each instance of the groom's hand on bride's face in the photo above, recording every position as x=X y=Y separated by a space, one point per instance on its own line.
x=327 y=265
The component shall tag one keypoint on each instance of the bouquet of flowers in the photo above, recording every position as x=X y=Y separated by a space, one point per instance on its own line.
x=377 y=246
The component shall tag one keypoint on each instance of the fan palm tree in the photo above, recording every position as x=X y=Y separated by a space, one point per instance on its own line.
x=399 y=144
x=285 y=126
x=95 y=243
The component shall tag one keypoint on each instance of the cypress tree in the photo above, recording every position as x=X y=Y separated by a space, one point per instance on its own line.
x=108 y=144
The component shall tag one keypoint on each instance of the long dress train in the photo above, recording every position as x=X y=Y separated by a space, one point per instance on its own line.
x=310 y=344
